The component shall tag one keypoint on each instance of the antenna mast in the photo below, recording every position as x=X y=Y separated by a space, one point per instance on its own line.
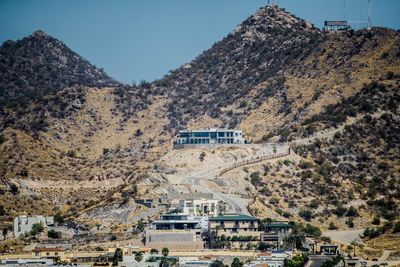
x=369 y=14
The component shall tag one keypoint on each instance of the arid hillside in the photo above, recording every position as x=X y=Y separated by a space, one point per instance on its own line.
x=79 y=140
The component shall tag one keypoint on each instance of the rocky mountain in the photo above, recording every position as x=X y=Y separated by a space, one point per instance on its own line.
x=40 y=64
x=74 y=148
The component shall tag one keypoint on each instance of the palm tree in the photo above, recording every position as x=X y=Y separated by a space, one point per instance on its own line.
x=165 y=252
x=139 y=256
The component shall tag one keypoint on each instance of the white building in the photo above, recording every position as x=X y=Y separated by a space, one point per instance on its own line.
x=26 y=262
x=270 y=259
x=196 y=204
x=23 y=224
x=210 y=136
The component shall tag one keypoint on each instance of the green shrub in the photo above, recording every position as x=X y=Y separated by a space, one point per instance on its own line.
x=396 y=228
x=71 y=153
x=332 y=226
x=305 y=164
x=255 y=178
x=350 y=223
x=376 y=220
x=202 y=155
x=306 y=214
x=389 y=75
x=54 y=234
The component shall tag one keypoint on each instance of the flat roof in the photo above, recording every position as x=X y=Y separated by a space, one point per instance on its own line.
x=175 y=221
x=210 y=129
x=46 y=249
x=233 y=217
x=278 y=225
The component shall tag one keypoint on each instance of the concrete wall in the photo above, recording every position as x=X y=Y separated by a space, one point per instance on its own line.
x=173 y=239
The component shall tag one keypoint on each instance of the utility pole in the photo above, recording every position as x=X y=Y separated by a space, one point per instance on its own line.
x=369 y=14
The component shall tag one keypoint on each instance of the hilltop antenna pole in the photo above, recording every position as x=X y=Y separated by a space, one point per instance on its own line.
x=369 y=14
x=344 y=9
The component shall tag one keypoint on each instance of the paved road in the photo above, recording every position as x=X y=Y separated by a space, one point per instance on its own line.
x=235 y=204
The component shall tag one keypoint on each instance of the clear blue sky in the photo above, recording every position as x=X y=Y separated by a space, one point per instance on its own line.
x=144 y=39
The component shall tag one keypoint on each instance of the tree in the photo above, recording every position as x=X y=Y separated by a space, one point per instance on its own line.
x=59 y=219
x=164 y=261
x=54 y=234
x=236 y=263
x=2 y=210
x=217 y=263
x=5 y=232
x=173 y=261
x=151 y=259
x=138 y=256
x=263 y=246
x=140 y=225
x=165 y=252
x=117 y=256
x=36 y=229
x=332 y=262
x=296 y=261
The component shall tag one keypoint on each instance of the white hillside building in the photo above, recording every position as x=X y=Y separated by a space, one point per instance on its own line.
x=210 y=136
x=23 y=224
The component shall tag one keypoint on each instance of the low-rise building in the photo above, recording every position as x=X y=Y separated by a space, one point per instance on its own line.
x=275 y=233
x=26 y=262
x=175 y=222
x=196 y=204
x=270 y=259
x=23 y=224
x=319 y=246
x=53 y=253
x=209 y=136
x=175 y=231
x=234 y=225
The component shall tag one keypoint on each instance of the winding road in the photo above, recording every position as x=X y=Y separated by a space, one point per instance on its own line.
x=235 y=203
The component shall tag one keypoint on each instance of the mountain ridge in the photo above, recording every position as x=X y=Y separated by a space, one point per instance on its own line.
x=270 y=76
x=45 y=65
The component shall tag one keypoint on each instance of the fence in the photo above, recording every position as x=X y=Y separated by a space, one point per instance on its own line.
x=252 y=161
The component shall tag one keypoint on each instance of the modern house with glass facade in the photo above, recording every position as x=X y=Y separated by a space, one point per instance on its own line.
x=210 y=136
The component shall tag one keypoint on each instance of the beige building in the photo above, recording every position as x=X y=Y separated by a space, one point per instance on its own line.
x=54 y=253
x=174 y=239
x=234 y=225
